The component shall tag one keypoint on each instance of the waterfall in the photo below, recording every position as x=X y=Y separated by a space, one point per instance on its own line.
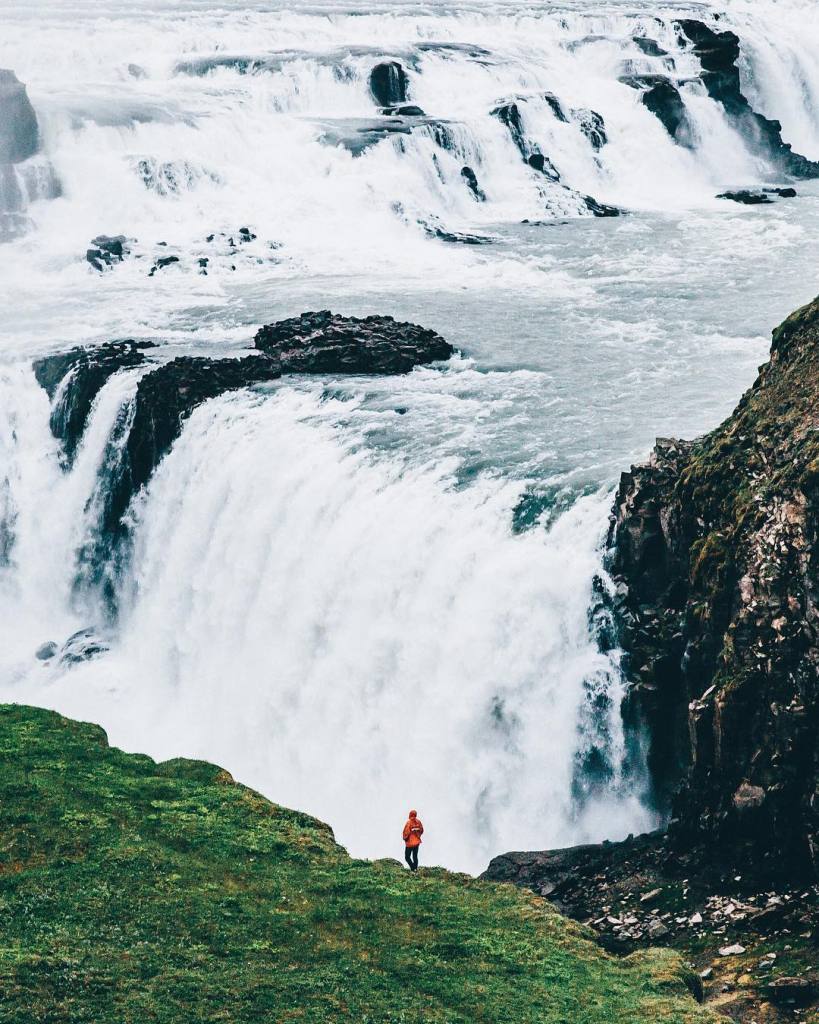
x=359 y=594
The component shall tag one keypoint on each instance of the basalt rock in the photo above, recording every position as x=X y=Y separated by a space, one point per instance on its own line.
x=324 y=342
x=714 y=552
x=718 y=53
x=662 y=97
x=167 y=393
x=19 y=133
x=757 y=196
x=471 y=180
x=73 y=379
x=106 y=251
x=388 y=84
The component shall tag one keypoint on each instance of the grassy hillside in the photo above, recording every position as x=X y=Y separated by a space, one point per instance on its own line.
x=135 y=892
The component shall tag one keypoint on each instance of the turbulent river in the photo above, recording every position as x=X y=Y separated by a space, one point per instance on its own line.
x=364 y=594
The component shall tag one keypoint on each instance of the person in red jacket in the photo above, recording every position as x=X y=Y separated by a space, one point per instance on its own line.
x=413 y=830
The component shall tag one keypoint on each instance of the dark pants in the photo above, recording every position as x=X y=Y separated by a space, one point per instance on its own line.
x=411 y=857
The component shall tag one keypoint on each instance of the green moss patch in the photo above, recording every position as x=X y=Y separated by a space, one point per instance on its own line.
x=134 y=892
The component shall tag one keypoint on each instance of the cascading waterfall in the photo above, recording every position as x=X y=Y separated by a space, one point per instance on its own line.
x=363 y=594
x=310 y=613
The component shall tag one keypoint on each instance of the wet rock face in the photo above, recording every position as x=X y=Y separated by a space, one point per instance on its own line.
x=19 y=134
x=714 y=552
x=327 y=343
x=718 y=53
x=73 y=379
x=664 y=101
x=388 y=84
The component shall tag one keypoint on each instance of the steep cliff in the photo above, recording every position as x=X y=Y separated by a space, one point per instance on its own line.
x=714 y=546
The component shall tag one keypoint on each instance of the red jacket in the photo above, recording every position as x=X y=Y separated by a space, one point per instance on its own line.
x=413 y=830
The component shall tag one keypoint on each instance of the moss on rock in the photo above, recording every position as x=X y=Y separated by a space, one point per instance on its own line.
x=723 y=610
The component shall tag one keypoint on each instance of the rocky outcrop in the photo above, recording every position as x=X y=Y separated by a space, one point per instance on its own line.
x=388 y=84
x=73 y=379
x=167 y=393
x=718 y=53
x=106 y=250
x=663 y=99
x=757 y=196
x=714 y=555
x=19 y=133
x=327 y=343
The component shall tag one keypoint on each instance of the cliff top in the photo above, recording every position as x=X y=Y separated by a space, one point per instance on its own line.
x=137 y=891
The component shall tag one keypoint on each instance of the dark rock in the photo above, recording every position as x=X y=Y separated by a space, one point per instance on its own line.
x=81 y=646
x=793 y=991
x=46 y=651
x=593 y=127
x=539 y=162
x=358 y=134
x=19 y=133
x=509 y=115
x=557 y=109
x=388 y=84
x=161 y=263
x=73 y=379
x=471 y=180
x=718 y=53
x=409 y=110
x=757 y=196
x=600 y=209
x=327 y=343
x=748 y=197
x=435 y=229
x=136 y=71
x=662 y=97
x=650 y=47
x=107 y=250
x=717 y=543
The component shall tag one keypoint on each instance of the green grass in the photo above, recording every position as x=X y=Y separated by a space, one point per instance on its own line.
x=135 y=892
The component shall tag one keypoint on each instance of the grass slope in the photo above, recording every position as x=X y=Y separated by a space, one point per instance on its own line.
x=136 y=892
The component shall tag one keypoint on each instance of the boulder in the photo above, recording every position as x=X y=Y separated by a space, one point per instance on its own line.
x=106 y=251
x=19 y=133
x=388 y=84
x=407 y=110
x=747 y=197
x=757 y=196
x=81 y=646
x=162 y=263
x=799 y=991
x=325 y=342
x=46 y=651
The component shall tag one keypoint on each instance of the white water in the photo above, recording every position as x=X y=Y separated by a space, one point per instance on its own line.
x=327 y=594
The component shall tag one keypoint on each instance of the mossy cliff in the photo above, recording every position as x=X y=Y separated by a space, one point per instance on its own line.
x=715 y=557
x=135 y=892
